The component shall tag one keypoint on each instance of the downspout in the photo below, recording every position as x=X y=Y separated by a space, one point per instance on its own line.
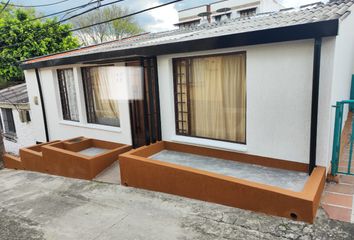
x=314 y=103
x=42 y=105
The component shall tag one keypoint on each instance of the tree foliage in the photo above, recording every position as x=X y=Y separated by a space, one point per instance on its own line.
x=105 y=32
x=21 y=38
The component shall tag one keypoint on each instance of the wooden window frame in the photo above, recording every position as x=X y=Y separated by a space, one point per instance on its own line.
x=175 y=63
x=88 y=93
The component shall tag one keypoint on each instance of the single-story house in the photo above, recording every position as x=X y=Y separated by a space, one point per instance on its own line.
x=256 y=89
x=15 y=118
x=286 y=70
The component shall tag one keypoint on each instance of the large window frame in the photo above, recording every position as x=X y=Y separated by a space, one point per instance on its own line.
x=175 y=86
x=9 y=126
x=89 y=101
x=248 y=12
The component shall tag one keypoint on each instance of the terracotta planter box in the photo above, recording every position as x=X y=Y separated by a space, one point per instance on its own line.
x=66 y=158
x=12 y=162
x=32 y=157
x=139 y=170
x=80 y=157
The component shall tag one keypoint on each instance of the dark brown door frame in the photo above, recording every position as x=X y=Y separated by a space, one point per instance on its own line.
x=145 y=117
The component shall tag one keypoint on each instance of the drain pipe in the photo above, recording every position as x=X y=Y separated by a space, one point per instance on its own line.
x=42 y=105
x=314 y=103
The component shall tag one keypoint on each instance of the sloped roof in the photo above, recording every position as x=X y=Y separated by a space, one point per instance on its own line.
x=14 y=95
x=312 y=14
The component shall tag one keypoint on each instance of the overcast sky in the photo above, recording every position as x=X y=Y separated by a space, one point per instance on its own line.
x=157 y=20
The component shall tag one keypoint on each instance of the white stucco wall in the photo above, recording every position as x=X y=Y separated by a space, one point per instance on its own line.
x=235 y=5
x=343 y=62
x=62 y=129
x=24 y=134
x=324 y=123
x=270 y=6
x=192 y=12
x=279 y=79
x=36 y=111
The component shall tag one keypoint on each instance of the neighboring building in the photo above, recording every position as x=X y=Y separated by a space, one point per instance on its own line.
x=249 y=84
x=226 y=9
x=16 y=126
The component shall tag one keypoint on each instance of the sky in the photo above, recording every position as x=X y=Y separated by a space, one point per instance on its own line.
x=153 y=21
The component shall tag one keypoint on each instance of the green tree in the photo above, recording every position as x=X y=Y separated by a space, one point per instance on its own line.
x=105 y=32
x=22 y=38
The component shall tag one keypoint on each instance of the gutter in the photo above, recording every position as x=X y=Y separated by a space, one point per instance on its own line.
x=314 y=103
x=42 y=105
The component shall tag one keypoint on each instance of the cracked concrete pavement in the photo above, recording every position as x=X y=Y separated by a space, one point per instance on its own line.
x=40 y=206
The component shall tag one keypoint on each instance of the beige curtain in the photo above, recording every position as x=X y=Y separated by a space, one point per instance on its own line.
x=218 y=97
x=106 y=104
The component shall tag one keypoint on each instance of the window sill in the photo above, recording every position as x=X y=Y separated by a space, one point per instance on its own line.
x=210 y=143
x=10 y=137
x=91 y=126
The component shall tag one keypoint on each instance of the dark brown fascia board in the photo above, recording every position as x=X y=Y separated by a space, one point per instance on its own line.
x=289 y=33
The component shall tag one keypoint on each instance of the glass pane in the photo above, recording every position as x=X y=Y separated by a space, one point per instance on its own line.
x=68 y=94
x=101 y=90
x=215 y=99
x=8 y=121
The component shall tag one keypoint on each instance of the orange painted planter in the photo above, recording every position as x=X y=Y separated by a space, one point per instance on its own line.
x=137 y=170
x=62 y=158
x=12 y=162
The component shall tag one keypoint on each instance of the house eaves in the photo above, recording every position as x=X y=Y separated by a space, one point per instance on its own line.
x=289 y=33
x=314 y=21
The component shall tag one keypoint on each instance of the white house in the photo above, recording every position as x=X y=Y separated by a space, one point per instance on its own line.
x=16 y=125
x=262 y=84
x=226 y=9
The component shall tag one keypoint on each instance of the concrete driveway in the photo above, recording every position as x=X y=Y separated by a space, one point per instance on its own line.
x=39 y=206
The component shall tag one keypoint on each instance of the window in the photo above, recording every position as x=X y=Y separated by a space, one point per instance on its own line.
x=248 y=12
x=68 y=94
x=210 y=97
x=24 y=116
x=9 y=124
x=222 y=16
x=100 y=87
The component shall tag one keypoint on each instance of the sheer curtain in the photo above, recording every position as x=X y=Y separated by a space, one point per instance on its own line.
x=106 y=104
x=71 y=94
x=218 y=97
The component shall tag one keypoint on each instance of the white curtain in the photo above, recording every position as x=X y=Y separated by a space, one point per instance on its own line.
x=71 y=93
x=218 y=97
x=105 y=101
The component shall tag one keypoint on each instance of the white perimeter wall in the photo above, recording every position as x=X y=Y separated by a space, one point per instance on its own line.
x=61 y=129
x=36 y=112
x=279 y=88
x=342 y=70
x=24 y=133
